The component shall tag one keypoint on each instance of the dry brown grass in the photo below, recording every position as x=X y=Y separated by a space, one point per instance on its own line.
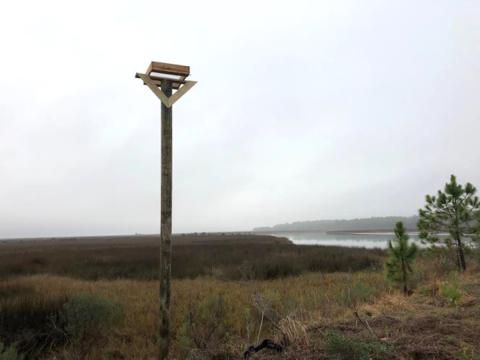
x=303 y=309
x=304 y=298
x=214 y=318
x=422 y=326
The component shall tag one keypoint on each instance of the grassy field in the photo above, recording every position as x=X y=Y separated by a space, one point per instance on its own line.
x=231 y=257
x=230 y=292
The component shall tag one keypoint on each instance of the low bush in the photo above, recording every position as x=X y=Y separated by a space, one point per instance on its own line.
x=34 y=324
x=341 y=347
x=31 y=323
x=89 y=316
x=9 y=353
x=450 y=290
x=356 y=294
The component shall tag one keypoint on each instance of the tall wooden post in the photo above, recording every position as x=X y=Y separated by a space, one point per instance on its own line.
x=165 y=222
x=167 y=77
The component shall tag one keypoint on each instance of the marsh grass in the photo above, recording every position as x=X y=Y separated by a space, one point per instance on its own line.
x=213 y=318
x=227 y=261
x=30 y=322
x=36 y=319
x=240 y=293
x=210 y=316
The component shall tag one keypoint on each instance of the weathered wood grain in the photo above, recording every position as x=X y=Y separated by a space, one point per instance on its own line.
x=165 y=223
x=171 y=69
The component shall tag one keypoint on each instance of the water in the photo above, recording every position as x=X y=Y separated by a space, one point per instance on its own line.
x=365 y=240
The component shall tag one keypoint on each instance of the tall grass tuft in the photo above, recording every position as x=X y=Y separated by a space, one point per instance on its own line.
x=31 y=323
x=342 y=347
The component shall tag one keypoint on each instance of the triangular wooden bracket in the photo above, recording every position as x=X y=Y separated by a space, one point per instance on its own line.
x=167 y=101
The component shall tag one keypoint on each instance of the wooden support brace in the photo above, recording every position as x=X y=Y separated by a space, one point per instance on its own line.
x=182 y=90
x=168 y=101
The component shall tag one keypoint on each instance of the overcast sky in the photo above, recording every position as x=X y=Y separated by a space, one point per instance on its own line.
x=303 y=110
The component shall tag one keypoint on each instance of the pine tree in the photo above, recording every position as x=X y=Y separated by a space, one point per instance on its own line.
x=456 y=212
x=401 y=255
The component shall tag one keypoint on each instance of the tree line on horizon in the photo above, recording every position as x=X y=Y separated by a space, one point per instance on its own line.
x=372 y=223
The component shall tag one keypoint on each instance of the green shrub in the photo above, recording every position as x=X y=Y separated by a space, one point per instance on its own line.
x=88 y=316
x=356 y=294
x=9 y=353
x=341 y=347
x=451 y=290
x=451 y=293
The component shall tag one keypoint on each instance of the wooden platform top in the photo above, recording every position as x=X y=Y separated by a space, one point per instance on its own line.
x=169 y=69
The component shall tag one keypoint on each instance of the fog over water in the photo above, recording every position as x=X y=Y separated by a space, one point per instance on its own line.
x=303 y=110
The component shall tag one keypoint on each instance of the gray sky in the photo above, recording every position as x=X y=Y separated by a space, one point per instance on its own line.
x=303 y=110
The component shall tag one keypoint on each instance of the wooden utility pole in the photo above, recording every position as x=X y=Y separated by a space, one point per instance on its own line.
x=162 y=78
x=165 y=222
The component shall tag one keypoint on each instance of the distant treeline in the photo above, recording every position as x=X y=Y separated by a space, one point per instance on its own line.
x=386 y=223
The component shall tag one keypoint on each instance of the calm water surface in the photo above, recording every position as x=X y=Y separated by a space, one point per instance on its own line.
x=365 y=240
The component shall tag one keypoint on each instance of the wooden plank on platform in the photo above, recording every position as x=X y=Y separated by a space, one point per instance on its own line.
x=171 y=69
